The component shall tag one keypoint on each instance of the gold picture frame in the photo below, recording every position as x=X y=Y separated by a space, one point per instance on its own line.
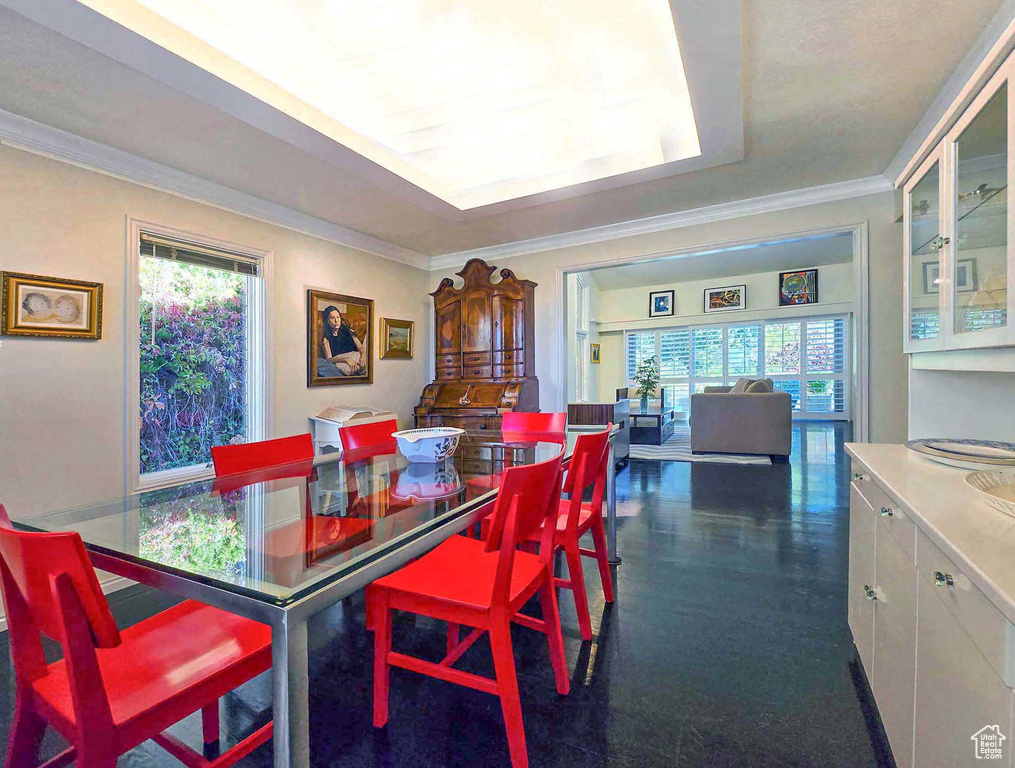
x=50 y=307
x=594 y=354
x=396 y=339
x=352 y=359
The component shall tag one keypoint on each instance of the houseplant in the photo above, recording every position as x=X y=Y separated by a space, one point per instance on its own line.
x=647 y=377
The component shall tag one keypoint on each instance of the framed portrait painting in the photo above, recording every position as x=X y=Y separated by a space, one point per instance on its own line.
x=726 y=299
x=660 y=303
x=34 y=305
x=396 y=339
x=339 y=348
x=798 y=287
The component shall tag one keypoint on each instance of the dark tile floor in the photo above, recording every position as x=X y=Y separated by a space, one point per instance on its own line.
x=727 y=645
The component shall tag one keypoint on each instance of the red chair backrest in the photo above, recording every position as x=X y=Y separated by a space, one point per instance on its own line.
x=368 y=435
x=29 y=564
x=588 y=467
x=527 y=499
x=518 y=421
x=230 y=459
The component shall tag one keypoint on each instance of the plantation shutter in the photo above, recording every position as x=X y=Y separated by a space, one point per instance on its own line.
x=199 y=255
x=640 y=347
x=826 y=345
x=675 y=353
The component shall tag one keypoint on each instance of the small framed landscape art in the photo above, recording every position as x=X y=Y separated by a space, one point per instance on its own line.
x=726 y=299
x=34 y=305
x=396 y=339
x=339 y=350
x=798 y=287
x=660 y=303
x=594 y=354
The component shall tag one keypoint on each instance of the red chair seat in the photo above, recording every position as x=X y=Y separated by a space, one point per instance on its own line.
x=584 y=516
x=191 y=651
x=461 y=572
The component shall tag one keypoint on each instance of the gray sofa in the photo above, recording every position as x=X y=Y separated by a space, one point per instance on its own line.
x=756 y=423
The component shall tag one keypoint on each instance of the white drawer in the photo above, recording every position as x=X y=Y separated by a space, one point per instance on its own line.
x=894 y=518
x=986 y=626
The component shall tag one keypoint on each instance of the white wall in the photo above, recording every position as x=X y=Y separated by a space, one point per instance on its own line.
x=63 y=414
x=887 y=363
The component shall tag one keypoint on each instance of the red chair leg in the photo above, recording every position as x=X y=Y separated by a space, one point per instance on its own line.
x=210 y=728
x=602 y=558
x=25 y=736
x=452 y=636
x=554 y=637
x=507 y=688
x=378 y=606
x=577 y=578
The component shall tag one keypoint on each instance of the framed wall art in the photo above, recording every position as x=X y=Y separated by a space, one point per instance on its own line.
x=52 y=307
x=594 y=354
x=798 y=287
x=660 y=303
x=726 y=299
x=965 y=276
x=396 y=339
x=339 y=348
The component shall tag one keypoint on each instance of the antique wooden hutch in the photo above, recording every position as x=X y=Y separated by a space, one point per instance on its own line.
x=485 y=350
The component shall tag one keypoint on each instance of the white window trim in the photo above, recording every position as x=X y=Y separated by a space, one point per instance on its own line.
x=581 y=340
x=259 y=365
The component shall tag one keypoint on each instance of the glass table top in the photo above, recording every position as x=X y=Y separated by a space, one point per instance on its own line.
x=281 y=533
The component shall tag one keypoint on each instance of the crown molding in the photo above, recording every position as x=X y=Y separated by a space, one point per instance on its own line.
x=31 y=136
x=780 y=201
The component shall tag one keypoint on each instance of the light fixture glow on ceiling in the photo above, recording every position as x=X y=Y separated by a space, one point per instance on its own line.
x=475 y=101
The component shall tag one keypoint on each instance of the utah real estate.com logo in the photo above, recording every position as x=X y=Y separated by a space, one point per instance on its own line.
x=987 y=742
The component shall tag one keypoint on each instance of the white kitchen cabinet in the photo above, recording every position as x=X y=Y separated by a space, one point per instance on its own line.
x=895 y=616
x=860 y=611
x=959 y=254
x=957 y=691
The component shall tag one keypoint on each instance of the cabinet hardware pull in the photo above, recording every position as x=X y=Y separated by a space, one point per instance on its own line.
x=943 y=579
x=858 y=476
x=886 y=512
x=869 y=592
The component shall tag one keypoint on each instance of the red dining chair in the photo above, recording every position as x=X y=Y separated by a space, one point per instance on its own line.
x=575 y=517
x=482 y=585
x=520 y=421
x=113 y=690
x=230 y=459
x=518 y=426
x=588 y=468
x=368 y=435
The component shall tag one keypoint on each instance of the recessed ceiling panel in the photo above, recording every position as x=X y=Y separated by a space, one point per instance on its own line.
x=474 y=101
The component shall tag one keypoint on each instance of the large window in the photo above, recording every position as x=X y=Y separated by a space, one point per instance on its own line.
x=200 y=356
x=808 y=358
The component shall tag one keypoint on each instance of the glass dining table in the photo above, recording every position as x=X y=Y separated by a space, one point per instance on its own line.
x=280 y=544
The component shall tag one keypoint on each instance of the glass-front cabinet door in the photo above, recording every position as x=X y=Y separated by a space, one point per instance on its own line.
x=925 y=243
x=980 y=170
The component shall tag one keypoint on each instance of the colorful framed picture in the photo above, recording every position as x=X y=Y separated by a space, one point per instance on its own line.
x=660 y=303
x=396 y=339
x=798 y=287
x=726 y=299
x=52 y=307
x=339 y=350
x=594 y=354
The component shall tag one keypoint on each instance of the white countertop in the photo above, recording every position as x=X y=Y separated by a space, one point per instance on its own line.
x=979 y=538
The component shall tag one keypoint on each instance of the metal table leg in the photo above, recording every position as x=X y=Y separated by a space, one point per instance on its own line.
x=611 y=508
x=290 y=684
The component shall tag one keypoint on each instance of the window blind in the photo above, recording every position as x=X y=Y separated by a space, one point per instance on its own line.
x=188 y=253
x=640 y=347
